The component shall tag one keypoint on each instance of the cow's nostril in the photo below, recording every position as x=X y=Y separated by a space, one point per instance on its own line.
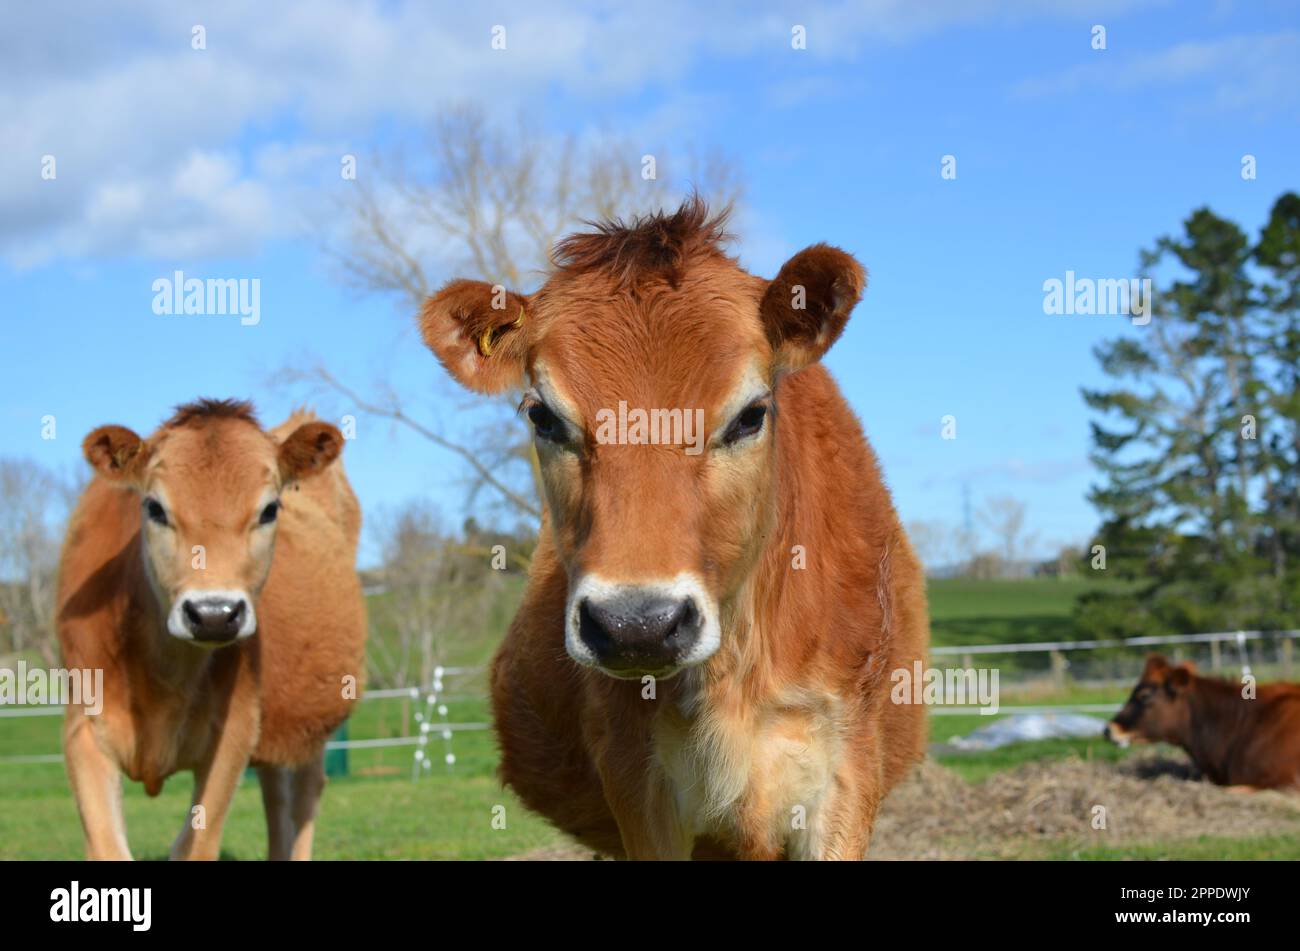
x=688 y=620
x=665 y=620
x=214 y=619
x=591 y=630
x=638 y=629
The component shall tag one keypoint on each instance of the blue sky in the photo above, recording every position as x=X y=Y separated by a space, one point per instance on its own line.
x=224 y=163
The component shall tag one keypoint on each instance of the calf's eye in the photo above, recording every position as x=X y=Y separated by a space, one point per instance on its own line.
x=154 y=510
x=749 y=422
x=269 y=514
x=546 y=424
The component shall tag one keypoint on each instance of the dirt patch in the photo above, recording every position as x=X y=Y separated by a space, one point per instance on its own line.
x=935 y=814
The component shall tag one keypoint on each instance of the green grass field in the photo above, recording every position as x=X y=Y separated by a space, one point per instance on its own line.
x=379 y=811
x=964 y=612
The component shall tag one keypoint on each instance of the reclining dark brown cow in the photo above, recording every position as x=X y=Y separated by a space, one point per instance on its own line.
x=1234 y=740
x=184 y=546
x=722 y=588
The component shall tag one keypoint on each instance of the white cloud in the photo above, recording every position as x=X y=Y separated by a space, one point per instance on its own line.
x=147 y=131
x=1260 y=73
x=1015 y=470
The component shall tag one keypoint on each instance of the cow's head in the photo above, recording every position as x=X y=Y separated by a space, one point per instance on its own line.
x=648 y=363
x=1157 y=709
x=209 y=483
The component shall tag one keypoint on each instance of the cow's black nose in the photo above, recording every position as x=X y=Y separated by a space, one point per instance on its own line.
x=639 y=631
x=214 y=620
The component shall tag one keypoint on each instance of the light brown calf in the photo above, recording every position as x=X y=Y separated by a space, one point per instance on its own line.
x=701 y=665
x=184 y=546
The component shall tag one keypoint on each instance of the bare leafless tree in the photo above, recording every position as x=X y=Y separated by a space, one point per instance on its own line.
x=1005 y=517
x=491 y=203
x=933 y=541
x=437 y=594
x=34 y=505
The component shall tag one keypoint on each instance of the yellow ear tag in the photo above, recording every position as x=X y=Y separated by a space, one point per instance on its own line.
x=485 y=339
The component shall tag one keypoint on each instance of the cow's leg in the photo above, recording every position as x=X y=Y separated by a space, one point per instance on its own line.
x=97 y=786
x=215 y=783
x=277 y=794
x=214 y=788
x=308 y=784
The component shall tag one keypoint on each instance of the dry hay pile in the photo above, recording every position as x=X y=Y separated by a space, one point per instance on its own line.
x=935 y=814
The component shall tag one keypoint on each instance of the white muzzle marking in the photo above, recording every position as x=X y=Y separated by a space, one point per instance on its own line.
x=678 y=588
x=177 y=627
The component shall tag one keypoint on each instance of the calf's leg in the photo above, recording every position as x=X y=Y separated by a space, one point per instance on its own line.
x=97 y=786
x=277 y=786
x=215 y=783
x=291 y=796
x=308 y=784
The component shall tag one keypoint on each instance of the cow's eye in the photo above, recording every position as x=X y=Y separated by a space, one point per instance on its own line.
x=269 y=514
x=154 y=510
x=749 y=422
x=545 y=423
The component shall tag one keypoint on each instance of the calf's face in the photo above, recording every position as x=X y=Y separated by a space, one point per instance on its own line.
x=209 y=492
x=1157 y=709
x=652 y=408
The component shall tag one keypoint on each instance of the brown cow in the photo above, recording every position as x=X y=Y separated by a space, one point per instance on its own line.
x=167 y=572
x=701 y=662
x=1233 y=740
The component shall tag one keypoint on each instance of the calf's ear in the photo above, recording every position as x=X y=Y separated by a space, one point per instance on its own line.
x=115 y=453
x=1154 y=665
x=808 y=303
x=309 y=449
x=478 y=332
x=1179 y=679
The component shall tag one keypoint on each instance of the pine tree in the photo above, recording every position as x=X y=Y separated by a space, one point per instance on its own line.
x=1198 y=444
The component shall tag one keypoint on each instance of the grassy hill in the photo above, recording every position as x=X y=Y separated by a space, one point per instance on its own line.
x=964 y=612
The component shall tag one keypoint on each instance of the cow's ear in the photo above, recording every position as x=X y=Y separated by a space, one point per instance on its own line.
x=808 y=303
x=309 y=449
x=479 y=332
x=1179 y=678
x=115 y=453
x=1156 y=663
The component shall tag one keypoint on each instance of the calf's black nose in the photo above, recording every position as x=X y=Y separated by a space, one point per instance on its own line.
x=214 y=620
x=638 y=631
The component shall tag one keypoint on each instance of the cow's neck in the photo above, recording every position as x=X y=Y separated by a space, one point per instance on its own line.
x=1215 y=723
